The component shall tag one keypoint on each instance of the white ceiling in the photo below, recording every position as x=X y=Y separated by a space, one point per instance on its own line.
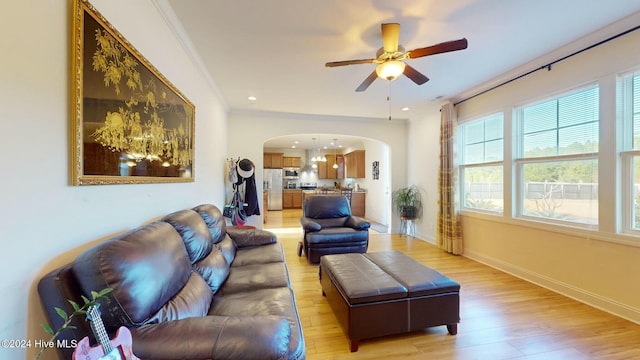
x=276 y=50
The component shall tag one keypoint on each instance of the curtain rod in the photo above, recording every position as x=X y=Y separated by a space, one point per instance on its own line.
x=549 y=65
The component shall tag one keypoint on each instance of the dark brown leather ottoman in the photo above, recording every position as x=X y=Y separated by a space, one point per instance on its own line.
x=386 y=293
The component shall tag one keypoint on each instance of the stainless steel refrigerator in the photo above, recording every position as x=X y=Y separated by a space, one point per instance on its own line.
x=273 y=185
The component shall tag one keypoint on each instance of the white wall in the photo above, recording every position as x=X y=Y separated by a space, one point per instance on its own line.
x=423 y=141
x=44 y=221
x=597 y=267
x=263 y=126
x=378 y=203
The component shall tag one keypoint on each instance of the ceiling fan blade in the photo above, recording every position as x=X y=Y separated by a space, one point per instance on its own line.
x=349 y=62
x=415 y=76
x=390 y=37
x=368 y=81
x=444 y=47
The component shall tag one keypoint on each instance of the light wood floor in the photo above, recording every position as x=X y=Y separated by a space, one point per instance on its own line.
x=502 y=317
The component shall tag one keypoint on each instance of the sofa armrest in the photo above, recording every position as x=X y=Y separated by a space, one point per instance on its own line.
x=357 y=223
x=250 y=237
x=214 y=337
x=309 y=225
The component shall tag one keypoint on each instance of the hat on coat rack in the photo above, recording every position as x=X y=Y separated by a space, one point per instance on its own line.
x=245 y=168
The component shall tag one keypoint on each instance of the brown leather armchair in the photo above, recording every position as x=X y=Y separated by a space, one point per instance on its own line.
x=329 y=228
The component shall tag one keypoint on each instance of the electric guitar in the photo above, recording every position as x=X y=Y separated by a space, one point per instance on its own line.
x=118 y=348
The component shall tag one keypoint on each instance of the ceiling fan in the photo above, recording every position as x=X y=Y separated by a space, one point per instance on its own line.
x=391 y=55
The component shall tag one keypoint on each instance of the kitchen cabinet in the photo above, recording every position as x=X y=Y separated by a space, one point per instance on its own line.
x=323 y=169
x=340 y=171
x=358 y=200
x=354 y=164
x=358 y=203
x=326 y=170
x=291 y=199
x=265 y=206
x=291 y=161
x=272 y=160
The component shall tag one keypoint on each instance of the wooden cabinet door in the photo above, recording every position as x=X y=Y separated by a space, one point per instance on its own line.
x=340 y=170
x=349 y=165
x=358 y=203
x=297 y=199
x=287 y=199
x=322 y=170
x=331 y=172
x=266 y=160
x=272 y=160
x=360 y=167
x=291 y=161
x=354 y=164
x=276 y=161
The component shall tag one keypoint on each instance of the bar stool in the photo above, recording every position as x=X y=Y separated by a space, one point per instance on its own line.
x=347 y=192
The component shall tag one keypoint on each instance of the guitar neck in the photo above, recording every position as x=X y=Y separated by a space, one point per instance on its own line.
x=99 y=331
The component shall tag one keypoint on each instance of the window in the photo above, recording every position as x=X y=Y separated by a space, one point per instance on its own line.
x=557 y=158
x=482 y=163
x=630 y=109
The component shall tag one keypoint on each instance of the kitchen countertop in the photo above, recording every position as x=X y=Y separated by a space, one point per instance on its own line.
x=331 y=191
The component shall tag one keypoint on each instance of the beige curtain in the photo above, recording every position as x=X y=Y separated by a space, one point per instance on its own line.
x=449 y=232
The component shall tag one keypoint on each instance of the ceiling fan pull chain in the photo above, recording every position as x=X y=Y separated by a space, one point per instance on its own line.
x=389 y=98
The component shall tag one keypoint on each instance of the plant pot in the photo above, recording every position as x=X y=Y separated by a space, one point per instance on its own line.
x=408 y=212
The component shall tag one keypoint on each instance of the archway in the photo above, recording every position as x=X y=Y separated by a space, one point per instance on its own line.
x=375 y=184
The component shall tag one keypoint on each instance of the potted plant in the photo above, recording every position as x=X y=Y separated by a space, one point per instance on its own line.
x=78 y=310
x=407 y=202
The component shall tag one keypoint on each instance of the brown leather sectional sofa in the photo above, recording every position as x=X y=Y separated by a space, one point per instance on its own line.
x=187 y=287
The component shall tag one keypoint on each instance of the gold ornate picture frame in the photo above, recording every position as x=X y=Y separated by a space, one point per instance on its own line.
x=129 y=123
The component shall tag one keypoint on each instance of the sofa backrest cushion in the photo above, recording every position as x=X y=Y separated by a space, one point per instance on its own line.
x=194 y=299
x=214 y=269
x=228 y=249
x=194 y=232
x=328 y=211
x=146 y=267
x=214 y=220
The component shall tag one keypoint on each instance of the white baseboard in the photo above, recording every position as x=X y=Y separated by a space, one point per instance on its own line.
x=581 y=295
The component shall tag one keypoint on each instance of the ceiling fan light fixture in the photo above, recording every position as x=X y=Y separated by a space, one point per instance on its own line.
x=390 y=70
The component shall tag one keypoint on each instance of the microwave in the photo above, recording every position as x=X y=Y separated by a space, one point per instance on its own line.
x=291 y=173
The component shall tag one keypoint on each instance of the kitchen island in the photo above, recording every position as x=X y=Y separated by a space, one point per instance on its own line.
x=358 y=199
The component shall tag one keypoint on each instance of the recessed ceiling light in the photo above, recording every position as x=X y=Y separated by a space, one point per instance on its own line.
x=252 y=98
x=405 y=109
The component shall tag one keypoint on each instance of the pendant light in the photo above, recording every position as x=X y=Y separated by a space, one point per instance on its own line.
x=335 y=154
x=313 y=151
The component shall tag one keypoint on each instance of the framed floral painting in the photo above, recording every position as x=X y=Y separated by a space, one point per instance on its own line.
x=129 y=123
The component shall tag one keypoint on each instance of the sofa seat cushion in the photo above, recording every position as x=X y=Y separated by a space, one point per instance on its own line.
x=277 y=301
x=214 y=337
x=252 y=277
x=342 y=236
x=263 y=254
